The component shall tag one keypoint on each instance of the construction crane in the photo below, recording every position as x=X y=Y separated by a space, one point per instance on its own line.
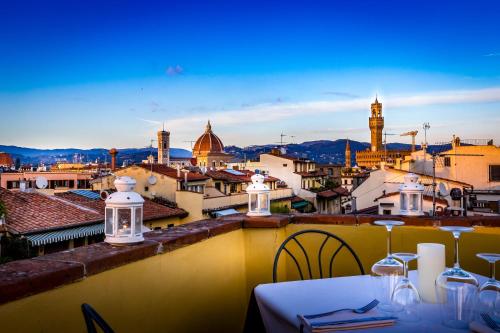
x=385 y=144
x=413 y=134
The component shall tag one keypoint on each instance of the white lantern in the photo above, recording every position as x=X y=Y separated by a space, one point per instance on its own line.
x=259 y=202
x=411 y=196
x=123 y=214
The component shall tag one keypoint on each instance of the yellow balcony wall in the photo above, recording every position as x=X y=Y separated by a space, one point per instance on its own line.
x=205 y=287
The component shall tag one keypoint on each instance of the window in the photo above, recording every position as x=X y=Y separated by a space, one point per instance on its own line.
x=138 y=221
x=447 y=161
x=109 y=221
x=494 y=173
x=213 y=163
x=285 y=165
x=404 y=201
x=386 y=212
x=253 y=202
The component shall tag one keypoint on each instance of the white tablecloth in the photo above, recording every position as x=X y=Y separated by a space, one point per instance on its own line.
x=279 y=303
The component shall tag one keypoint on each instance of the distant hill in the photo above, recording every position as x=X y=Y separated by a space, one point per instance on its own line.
x=49 y=156
x=321 y=151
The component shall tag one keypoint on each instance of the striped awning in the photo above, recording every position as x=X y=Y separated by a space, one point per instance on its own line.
x=66 y=234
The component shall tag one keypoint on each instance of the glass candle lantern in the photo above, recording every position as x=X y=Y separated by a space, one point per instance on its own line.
x=123 y=214
x=259 y=201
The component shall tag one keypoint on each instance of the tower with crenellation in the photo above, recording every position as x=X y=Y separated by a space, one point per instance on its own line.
x=376 y=122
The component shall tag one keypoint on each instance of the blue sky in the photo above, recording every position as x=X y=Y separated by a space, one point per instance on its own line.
x=108 y=73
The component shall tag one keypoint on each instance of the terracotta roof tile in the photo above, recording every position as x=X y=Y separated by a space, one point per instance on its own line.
x=230 y=177
x=32 y=212
x=151 y=211
x=171 y=172
x=316 y=173
x=425 y=197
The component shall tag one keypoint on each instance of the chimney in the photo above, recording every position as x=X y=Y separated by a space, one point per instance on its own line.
x=178 y=170
x=276 y=152
x=113 y=152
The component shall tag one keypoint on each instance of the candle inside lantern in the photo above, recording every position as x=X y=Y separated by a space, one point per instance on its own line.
x=431 y=262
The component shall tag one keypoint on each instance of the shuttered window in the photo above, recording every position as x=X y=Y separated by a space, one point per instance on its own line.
x=494 y=173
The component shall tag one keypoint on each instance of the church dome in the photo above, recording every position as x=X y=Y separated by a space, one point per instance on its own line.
x=208 y=142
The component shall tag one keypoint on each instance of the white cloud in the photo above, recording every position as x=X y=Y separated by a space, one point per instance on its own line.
x=174 y=70
x=274 y=112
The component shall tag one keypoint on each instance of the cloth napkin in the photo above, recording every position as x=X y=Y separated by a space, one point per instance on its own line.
x=478 y=327
x=346 y=320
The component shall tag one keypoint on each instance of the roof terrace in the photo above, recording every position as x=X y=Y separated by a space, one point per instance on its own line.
x=200 y=276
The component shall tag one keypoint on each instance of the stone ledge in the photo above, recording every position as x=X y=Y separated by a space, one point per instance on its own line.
x=22 y=278
x=99 y=257
x=273 y=221
x=324 y=219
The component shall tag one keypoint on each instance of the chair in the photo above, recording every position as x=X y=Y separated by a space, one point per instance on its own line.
x=92 y=316
x=328 y=236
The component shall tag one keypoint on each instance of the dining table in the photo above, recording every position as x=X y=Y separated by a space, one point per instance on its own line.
x=280 y=303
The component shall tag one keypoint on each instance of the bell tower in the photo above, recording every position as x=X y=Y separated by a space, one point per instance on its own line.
x=163 y=147
x=347 y=154
x=376 y=122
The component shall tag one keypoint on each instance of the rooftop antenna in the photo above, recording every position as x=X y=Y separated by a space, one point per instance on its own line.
x=281 y=138
x=190 y=141
x=293 y=138
x=426 y=127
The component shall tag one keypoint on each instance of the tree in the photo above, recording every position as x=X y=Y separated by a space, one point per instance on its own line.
x=17 y=164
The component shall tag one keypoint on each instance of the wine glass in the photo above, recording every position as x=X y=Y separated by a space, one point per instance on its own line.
x=489 y=292
x=456 y=289
x=405 y=294
x=386 y=272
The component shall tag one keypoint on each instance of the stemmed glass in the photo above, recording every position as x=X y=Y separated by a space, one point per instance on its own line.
x=489 y=293
x=387 y=271
x=405 y=294
x=456 y=289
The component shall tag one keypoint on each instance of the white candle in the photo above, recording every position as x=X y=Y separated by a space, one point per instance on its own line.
x=431 y=263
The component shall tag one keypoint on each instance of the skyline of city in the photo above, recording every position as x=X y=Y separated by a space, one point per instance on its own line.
x=114 y=74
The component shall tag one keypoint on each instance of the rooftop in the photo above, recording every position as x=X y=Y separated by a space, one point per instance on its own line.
x=32 y=212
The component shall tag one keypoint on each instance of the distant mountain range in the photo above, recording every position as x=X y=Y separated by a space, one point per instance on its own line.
x=321 y=151
x=49 y=156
